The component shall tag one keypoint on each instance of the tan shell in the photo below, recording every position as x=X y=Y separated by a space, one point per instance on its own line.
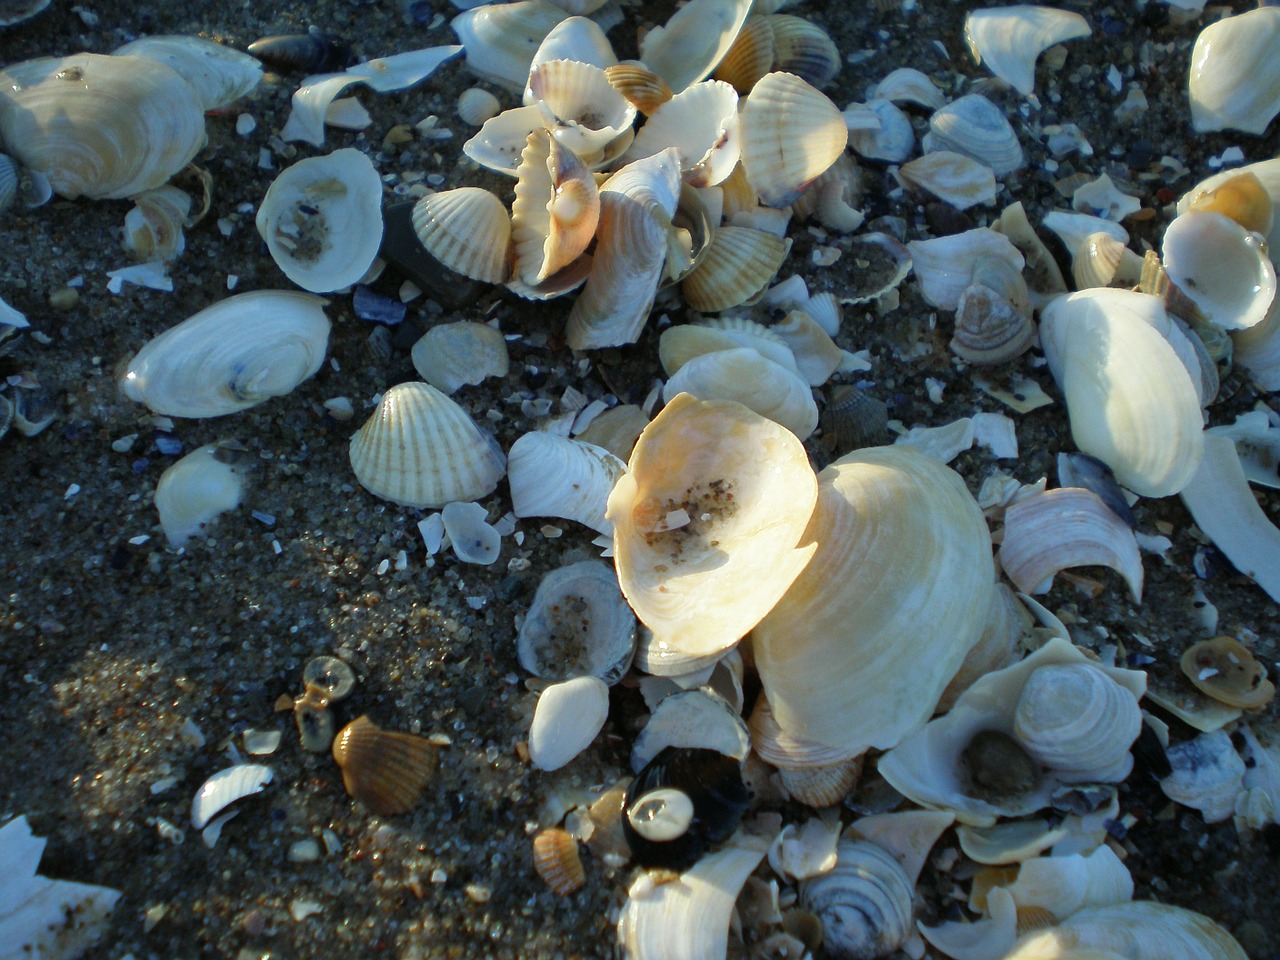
x=556 y=858
x=743 y=375
x=959 y=180
x=791 y=133
x=817 y=356
x=153 y=228
x=617 y=430
x=820 y=787
x=579 y=106
x=556 y=210
x=643 y=89
x=386 y=770
x=681 y=343
x=993 y=314
x=1138 y=930
x=1243 y=197
x=1103 y=261
x=1224 y=669
x=453 y=355
x=802 y=47
x=467 y=230
x=736 y=268
x=750 y=57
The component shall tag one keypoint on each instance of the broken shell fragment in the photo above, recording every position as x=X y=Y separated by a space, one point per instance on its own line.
x=1223 y=668
x=952 y=177
x=578 y=623
x=945 y=265
x=892 y=141
x=153 y=228
x=1208 y=775
x=556 y=858
x=1234 y=82
x=687 y=47
x=1008 y=40
x=386 y=770
x=791 y=134
x=1242 y=195
x=567 y=718
x=453 y=355
x=909 y=85
x=555 y=476
x=697 y=718
x=1222 y=267
x=468 y=230
x=332 y=675
x=502 y=38
x=1137 y=930
x=473 y=538
x=701 y=122
x=226 y=787
x=205 y=483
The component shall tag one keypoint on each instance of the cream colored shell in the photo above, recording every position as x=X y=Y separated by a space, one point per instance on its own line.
x=468 y=230
x=556 y=210
x=1008 y=40
x=453 y=355
x=791 y=133
x=743 y=375
x=1235 y=75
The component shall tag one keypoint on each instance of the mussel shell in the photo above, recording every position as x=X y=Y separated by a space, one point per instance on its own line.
x=711 y=780
x=304 y=52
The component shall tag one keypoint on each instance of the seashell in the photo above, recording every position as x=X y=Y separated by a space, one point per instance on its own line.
x=104 y=127
x=576 y=38
x=310 y=53
x=220 y=75
x=688 y=46
x=420 y=449
x=331 y=675
x=1259 y=802
x=993 y=314
x=791 y=134
x=1010 y=39
x=853 y=419
x=865 y=903
x=467 y=229
x=554 y=476
x=322 y=220
x=636 y=203
x=1064 y=884
x=909 y=85
x=226 y=787
x=9 y=179
x=808 y=851
x=1136 y=930
x=744 y=376
x=945 y=265
x=1208 y=775
x=556 y=210
x=977 y=128
x=822 y=786
x=838 y=680
x=999 y=646
x=578 y=106
x=1248 y=195
x=1074 y=228
x=1224 y=669
x=786 y=752
x=617 y=430
x=1042 y=273
x=231 y=356
x=502 y=38
x=153 y=228
x=1223 y=268
x=1077 y=721
x=1257 y=349
x=567 y=718
x=501 y=141
x=386 y=770
x=892 y=141
x=1102 y=261
x=1131 y=401
x=205 y=483
x=701 y=122
x=678 y=345
x=689 y=234
x=816 y=355
x=738 y=265
x=555 y=857
x=642 y=88
x=698 y=718
x=578 y=624
x=802 y=47
x=750 y=57
x=315 y=721
x=952 y=177
x=1235 y=82
x=746 y=485
x=476 y=105
x=452 y=355
x=472 y=537
x=1069 y=527
x=826 y=311
x=1102 y=198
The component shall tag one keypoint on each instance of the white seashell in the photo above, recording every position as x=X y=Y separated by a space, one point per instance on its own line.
x=153 y=228
x=944 y=265
x=826 y=311
x=579 y=106
x=1235 y=78
x=578 y=623
x=1208 y=775
x=1222 y=267
x=100 y=126
x=567 y=718
x=1008 y=40
x=1257 y=445
x=1069 y=527
x=501 y=140
x=692 y=718
x=556 y=210
x=1102 y=260
x=502 y=38
x=680 y=344
x=226 y=787
x=474 y=539
x=1103 y=198
x=743 y=375
x=1074 y=228
x=909 y=85
x=688 y=47
x=908 y=835
x=1064 y=885
x=1043 y=276
x=977 y=128
x=701 y=122
x=205 y=483
x=791 y=134
x=775 y=746
x=468 y=230
x=1259 y=802
x=1257 y=349
x=807 y=851
x=420 y=449
x=1247 y=209
x=348 y=113
x=865 y=902
x=1137 y=930
x=322 y=220
x=476 y=105
x=554 y=476
x=989 y=938
x=893 y=141
x=220 y=75
x=951 y=177
x=231 y=356
x=816 y=355
x=576 y=38
x=452 y=355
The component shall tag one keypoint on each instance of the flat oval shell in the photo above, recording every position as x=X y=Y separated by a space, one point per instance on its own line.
x=567 y=718
x=219 y=74
x=452 y=355
x=977 y=128
x=554 y=476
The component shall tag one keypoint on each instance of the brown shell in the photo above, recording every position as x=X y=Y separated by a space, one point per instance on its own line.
x=555 y=857
x=853 y=419
x=1225 y=670
x=386 y=770
x=642 y=88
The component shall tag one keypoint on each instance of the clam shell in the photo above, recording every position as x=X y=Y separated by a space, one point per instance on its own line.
x=747 y=488
x=701 y=122
x=502 y=38
x=474 y=540
x=1077 y=721
x=952 y=177
x=744 y=376
x=1102 y=260
x=220 y=75
x=687 y=47
x=993 y=314
x=738 y=265
x=322 y=220
x=1241 y=202
x=1223 y=268
x=501 y=141
x=644 y=89
x=1235 y=78
x=680 y=344
x=576 y=38
x=567 y=718
x=791 y=133
x=784 y=751
x=556 y=859
x=802 y=47
x=892 y=141
x=697 y=718
x=1008 y=40
x=1042 y=273
x=231 y=356
x=420 y=449
x=1000 y=644
x=467 y=230
x=750 y=57
x=386 y=770
x=476 y=105
x=554 y=476
x=1223 y=668
x=907 y=84
x=866 y=902
x=578 y=623
x=205 y=483
x=100 y=126
x=977 y=128
x=817 y=356
x=617 y=430
x=579 y=107
x=556 y=210
x=452 y=355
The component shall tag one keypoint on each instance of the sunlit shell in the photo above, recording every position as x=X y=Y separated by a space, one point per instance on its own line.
x=945 y=265
x=501 y=140
x=226 y=787
x=698 y=718
x=567 y=718
x=687 y=47
x=194 y=491
x=576 y=38
x=578 y=623
x=737 y=267
x=1222 y=267
x=802 y=47
x=1043 y=276
x=473 y=538
x=555 y=857
x=468 y=230
x=701 y=122
x=231 y=356
x=578 y=105
x=1000 y=644
x=386 y=770
x=219 y=74
x=644 y=89
x=556 y=210
x=153 y=228
x=744 y=376
x=452 y=355
x=959 y=180
x=1138 y=930
x=1243 y=195
x=1009 y=39
x=1224 y=669
x=977 y=128
x=791 y=133
x=817 y=356
x=420 y=449
x=909 y=85
x=617 y=430
x=100 y=126
x=865 y=902
x=555 y=476
x=750 y=57
x=1103 y=261
x=322 y=220
x=501 y=38
x=680 y=344
x=1235 y=77
x=476 y=105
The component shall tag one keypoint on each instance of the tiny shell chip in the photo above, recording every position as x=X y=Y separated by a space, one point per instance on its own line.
x=1224 y=669
x=452 y=355
x=578 y=623
x=474 y=539
x=567 y=718
x=555 y=857
x=226 y=787
x=203 y=484
x=386 y=770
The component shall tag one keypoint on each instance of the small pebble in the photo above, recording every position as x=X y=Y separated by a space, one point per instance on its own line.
x=64 y=298
x=304 y=851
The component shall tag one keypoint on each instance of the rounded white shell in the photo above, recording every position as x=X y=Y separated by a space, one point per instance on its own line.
x=474 y=539
x=743 y=375
x=451 y=355
x=865 y=902
x=693 y=718
x=501 y=38
x=206 y=482
x=555 y=476
x=688 y=46
x=220 y=75
x=567 y=718
x=701 y=122
x=578 y=623
x=1235 y=74
x=1138 y=930
x=231 y=356
x=476 y=105
x=791 y=134
x=1222 y=267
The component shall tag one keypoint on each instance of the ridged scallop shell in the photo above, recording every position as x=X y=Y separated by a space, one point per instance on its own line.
x=208 y=481
x=1223 y=668
x=578 y=623
x=322 y=220
x=153 y=228
x=750 y=57
x=853 y=419
x=476 y=105
x=952 y=177
x=386 y=770
x=1235 y=77
x=1008 y=40
x=468 y=230
x=701 y=122
x=748 y=490
x=1102 y=261
x=977 y=128
x=791 y=133
x=865 y=902
x=420 y=449
x=501 y=38
x=556 y=210
x=579 y=106
x=824 y=786
x=452 y=355
x=830 y=652
x=687 y=47
x=555 y=476
x=566 y=720
x=744 y=376
x=220 y=75
x=1222 y=267
x=738 y=265
x=643 y=89
x=231 y=356
x=802 y=47
x=556 y=858
x=100 y=126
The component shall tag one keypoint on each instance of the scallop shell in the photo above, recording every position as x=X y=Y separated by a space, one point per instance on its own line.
x=555 y=857
x=502 y=38
x=744 y=376
x=452 y=355
x=579 y=107
x=556 y=210
x=791 y=134
x=567 y=718
x=802 y=47
x=1235 y=78
x=220 y=75
x=386 y=770
x=687 y=47
x=1223 y=668
x=701 y=122
x=750 y=57
x=420 y=449
x=578 y=623
x=554 y=476
x=746 y=485
x=977 y=128
x=1101 y=261
x=737 y=267
x=468 y=230
x=951 y=177
x=1222 y=267
x=153 y=228
x=476 y=105
x=1010 y=39
x=100 y=126
x=644 y=89
x=853 y=418
x=231 y=356
x=866 y=902
x=322 y=220
x=205 y=483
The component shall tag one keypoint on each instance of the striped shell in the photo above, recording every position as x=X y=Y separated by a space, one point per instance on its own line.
x=791 y=133
x=735 y=269
x=864 y=902
x=555 y=857
x=467 y=230
x=386 y=770
x=556 y=210
x=476 y=105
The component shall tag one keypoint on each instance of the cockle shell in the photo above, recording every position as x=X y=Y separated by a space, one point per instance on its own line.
x=420 y=449
x=578 y=105
x=555 y=476
x=153 y=228
x=701 y=122
x=791 y=133
x=1008 y=40
x=452 y=355
x=555 y=857
x=578 y=623
x=687 y=47
x=1222 y=267
x=644 y=89
x=1235 y=78
x=802 y=47
x=737 y=266
x=220 y=75
x=468 y=230
x=556 y=210
x=194 y=491
x=501 y=38
x=885 y=516
x=322 y=220
x=750 y=57
x=231 y=356
x=567 y=718
x=747 y=490
x=100 y=126
x=977 y=128
x=743 y=375
x=386 y=770
x=959 y=180
x=476 y=105
x=865 y=902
